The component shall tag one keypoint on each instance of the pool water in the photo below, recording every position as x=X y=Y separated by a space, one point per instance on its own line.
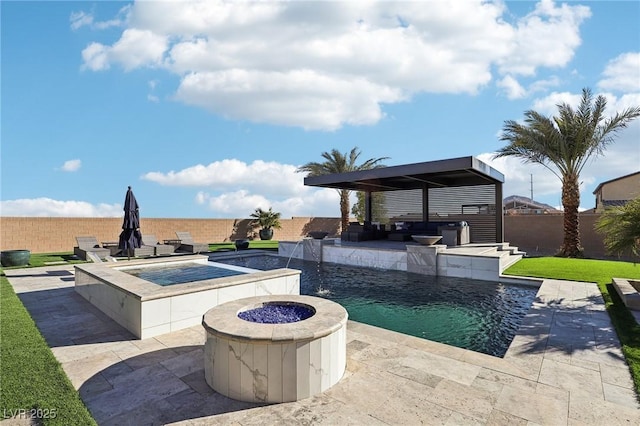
x=481 y=316
x=180 y=274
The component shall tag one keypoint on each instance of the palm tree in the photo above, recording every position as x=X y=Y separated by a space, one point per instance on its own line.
x=621 y=228
x=337 y=162
x=564 y=144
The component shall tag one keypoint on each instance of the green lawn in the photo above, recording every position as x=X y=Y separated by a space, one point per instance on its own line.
x=32 y=379
x=600 y=272
x=42 y=259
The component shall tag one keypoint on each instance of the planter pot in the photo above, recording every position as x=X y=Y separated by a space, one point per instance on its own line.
x=15 y=258
x=266 y=234
x=242 y=244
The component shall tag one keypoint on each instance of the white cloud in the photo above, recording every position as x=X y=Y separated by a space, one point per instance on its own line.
x=622 y=73
x=518 y=176
x=234 y=188
x=85 y=19
x=135 y=48
x=230 y=174
x=71 y=165
x=47 y=207
x=323 y=65
x=239 y=204
x=80 y=19
x=548 y=105
x=95 y=57
x=512 y=88
x=547 y=37
x=274 y=97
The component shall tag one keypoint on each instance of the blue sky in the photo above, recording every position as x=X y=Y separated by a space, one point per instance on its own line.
x=206 y=108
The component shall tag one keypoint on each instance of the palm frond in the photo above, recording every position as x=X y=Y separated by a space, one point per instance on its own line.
x=563 y=144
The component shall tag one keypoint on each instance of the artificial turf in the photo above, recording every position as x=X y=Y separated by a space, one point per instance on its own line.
x=33 y=383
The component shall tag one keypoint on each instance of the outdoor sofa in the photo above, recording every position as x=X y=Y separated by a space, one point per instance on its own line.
x=402 y=231
x=363 y=232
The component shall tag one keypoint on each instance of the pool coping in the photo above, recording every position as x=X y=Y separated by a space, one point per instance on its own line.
x=146 y=291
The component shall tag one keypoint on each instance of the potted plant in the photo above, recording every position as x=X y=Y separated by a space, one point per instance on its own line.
x=266 y=220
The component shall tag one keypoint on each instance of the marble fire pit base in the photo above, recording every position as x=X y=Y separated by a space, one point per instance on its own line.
x=256 y=362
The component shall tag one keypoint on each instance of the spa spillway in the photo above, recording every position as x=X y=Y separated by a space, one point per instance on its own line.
x=275 y=362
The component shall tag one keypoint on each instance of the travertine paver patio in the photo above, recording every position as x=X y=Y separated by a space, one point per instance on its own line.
x=564 y=367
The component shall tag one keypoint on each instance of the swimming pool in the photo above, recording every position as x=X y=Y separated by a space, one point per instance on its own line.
x=481 y=316
x=179 y=274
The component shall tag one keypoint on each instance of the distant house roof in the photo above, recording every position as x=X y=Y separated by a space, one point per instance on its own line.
x=527 y=203
x=599 y=187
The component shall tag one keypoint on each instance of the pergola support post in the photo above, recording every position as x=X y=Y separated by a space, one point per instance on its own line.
x=425 y=203
x=368 y=210
x=499 y=213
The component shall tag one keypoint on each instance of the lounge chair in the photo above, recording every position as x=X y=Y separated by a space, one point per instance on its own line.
x=150 y=240
x=187 y=244
x=89 y=244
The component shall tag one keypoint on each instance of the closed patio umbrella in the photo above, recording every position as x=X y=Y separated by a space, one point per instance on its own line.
x=130 y=237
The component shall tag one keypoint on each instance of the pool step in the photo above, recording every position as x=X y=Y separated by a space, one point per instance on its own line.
x=508 y=254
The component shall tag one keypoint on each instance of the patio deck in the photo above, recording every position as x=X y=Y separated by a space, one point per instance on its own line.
x=564 y=367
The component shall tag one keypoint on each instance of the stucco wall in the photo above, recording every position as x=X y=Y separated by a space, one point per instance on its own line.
x=57 y=234
x=542 y=235
x=535 y=234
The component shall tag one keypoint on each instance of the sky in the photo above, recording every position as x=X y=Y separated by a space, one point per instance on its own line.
x=208 y=108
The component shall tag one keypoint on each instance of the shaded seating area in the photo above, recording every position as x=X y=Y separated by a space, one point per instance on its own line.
x=363 y=232
x=189 y=245
x=88 y=244
x=463 y=189
x=402 y=231
x=159 y=249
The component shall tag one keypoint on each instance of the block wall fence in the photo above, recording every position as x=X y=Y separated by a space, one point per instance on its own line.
x=57 y=234
x=538 y=235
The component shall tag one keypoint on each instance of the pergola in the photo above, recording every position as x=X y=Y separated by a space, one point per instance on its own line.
x=454 y=172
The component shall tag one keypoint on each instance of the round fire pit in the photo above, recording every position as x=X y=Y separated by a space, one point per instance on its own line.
x=301 y=355
x=277 y=313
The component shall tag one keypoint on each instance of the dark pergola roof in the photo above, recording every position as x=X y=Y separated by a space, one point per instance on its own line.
x=463 y=171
